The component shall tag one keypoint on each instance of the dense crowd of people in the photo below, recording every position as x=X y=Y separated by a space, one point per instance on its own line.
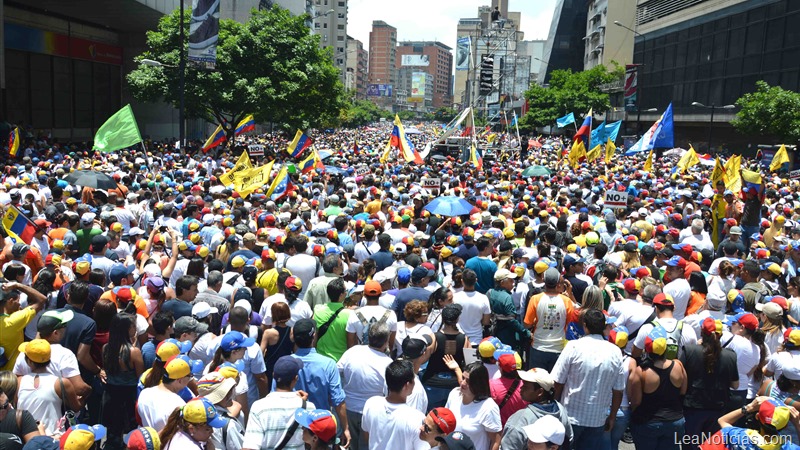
x=172 y=312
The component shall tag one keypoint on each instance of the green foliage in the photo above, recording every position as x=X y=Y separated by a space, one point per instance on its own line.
x=271 y=67
x=362 y=112
x=568 y=92
x=770 y=110
x=407 y=115
x=444 y=114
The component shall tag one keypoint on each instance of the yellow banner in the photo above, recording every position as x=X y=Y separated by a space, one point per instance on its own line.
x=610 y=150
x=648 y=165
x=733 y=179
x=243 y=163
x=247 y=181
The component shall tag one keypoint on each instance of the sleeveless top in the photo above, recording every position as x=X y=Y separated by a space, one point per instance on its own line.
x=42 y=402
x=436 y=363
x=282 y=348
x=126 y=375
x=662 y=405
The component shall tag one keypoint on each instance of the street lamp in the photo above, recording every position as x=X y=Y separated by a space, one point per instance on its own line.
x=711 y=123
x=181 y=111
x=639 y=84
x=324 y=14
x=154 y=63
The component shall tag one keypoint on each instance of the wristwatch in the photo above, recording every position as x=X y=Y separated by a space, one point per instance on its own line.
x=744 y=410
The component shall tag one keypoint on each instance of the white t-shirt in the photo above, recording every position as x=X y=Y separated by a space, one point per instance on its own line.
x=418 y=398
x=63 y=363
x=306 y=267
x=687 y=333
x=392 y=425
x=402 y=332
x=363 y=375
x=680 y=291
x=202 y=348
x=369 y=312
x=747 y=357
x=155 y=405
x=630 y=314
x=775 y=363
x=473 y=306
x=476 y=420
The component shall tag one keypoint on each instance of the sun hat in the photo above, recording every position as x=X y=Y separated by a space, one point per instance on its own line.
x=215 y=386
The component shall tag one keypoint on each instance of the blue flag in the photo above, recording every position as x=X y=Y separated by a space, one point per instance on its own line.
x=612 y=130
x=566 y=120
x=599 y=134
x=664 y=135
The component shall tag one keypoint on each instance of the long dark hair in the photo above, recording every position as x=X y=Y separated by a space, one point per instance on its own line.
x=118 y=347
x=478 y=380
x=44 y=281
x=196 y=267
x=757 y=337
x=711 y=351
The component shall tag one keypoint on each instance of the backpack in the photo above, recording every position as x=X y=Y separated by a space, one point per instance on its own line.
x=368 y=324
x=674 y=339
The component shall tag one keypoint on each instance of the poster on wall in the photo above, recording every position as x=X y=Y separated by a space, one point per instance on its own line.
x=204 y=32
x=415 y=60
x=463 y=50
x=631 y=85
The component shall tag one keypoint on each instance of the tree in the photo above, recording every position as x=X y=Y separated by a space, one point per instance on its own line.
x=444 y=114
x=271 y=67
x=361 y=112
x=568 y=92
x=770 y=110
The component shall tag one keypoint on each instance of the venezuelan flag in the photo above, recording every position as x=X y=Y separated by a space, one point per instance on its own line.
x=752 y=180
x=18 y=227
x=584 y=132
x=13 y=142
x=299 y=144
x=311 y=163
x=475 y=157
x=247 y=124
x=279 y=184
x=216 y=138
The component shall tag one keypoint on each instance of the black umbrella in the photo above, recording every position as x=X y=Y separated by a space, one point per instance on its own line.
x=85 y=178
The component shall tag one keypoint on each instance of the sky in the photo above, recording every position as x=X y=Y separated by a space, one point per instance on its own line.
x=436 y=20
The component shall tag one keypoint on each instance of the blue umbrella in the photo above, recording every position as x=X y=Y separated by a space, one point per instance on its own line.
x=449 y=206
x=335 y=170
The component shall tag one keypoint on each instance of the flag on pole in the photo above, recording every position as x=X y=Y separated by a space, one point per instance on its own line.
x=311 y=163
x=245 y=182
x=733 y=179
x=577 y=153
x=299 y=144
x=612 y=130
x=561 y=122
x=18 y=227
x=247 y=124
x=475 y=157
x=243 y=163
x=279 y=184
x=400 y=141
x=718 y=174
x=781 y=157
x=594 y=153
x=119 y=131
x=648 y=165
x=610 y=150
x=216 y=138
x=665 y=136
x=584 y=132
x=13 y=142
x=598 y=135
x=688 y=160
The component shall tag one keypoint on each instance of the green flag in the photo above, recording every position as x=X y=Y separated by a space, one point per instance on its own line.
x=119 y=131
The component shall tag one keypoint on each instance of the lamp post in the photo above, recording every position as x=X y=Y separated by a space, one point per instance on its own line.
x=181 y=109
x=712 y=107
x=639 y=75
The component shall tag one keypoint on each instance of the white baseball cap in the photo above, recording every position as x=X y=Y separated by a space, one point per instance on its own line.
x=546 y=429
x=201 y=310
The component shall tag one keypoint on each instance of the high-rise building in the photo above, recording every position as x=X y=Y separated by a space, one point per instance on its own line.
x=382 y=60
x=330 y=23
x=535 y=51
x=606 y=43
x=357 y=59
x=564 y=49
x=433 y=58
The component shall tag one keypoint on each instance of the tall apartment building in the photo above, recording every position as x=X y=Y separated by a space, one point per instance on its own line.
x=357 y=60
x=382 y=60
x=433 y=58
x=604 y=41
x=565 y=45
x=330 y=23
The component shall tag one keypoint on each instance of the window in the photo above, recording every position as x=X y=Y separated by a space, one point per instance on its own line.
x=341 y=4
x=316 y=25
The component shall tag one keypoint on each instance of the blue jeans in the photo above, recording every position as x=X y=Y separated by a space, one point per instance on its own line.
x=542 y=360
x=623 y=417
x=437 y=397
x=658 y=435
x=590 y=438
x=699 y=421
x=748 y=231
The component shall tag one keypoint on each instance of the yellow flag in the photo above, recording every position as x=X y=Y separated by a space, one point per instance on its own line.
x=577 y=152
x=718 y=175
x=610 y=150
x=385 y=156
x=243 y=163
x=688 y=160
x=648 y=165
x=733 y=179
x=782 y=156
x=594 y=153
x=490 y=138
x=247 y=181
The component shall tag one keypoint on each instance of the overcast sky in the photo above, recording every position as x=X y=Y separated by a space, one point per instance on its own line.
x=436 y=20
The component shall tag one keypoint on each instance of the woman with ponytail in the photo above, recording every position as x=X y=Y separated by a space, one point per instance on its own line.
x=711 y=372
x=191 y=426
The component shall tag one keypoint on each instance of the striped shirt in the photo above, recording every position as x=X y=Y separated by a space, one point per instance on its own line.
x=270 y=417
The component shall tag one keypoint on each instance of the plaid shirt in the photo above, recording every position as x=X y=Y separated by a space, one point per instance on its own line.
x=589 y=368
x=269 y=419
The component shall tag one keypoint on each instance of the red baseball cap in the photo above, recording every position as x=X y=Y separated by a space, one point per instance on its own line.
x=444 y=419
x=663 y=299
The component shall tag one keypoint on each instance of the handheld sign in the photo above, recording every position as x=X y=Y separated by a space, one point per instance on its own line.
x=255 y=150
x=361 y=171
x=431 y=183
x=615 y=199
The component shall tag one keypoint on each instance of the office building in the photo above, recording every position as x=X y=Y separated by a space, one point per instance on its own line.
x=565 y=45
x=330 y=23
x=433 y=58
x=534 y=50
x=382 y=61
x=605 y=43
x=357 y=60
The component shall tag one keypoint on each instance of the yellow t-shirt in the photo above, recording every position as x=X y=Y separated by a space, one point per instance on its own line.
x=12 y=329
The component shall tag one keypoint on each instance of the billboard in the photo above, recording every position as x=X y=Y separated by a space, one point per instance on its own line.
x=204 y=32
x=415 y=60
x=463 y=50
x=631 y=84
x=379 y=90
x=417 y=87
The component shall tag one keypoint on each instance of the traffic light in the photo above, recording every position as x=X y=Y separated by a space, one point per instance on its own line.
x=487 y=75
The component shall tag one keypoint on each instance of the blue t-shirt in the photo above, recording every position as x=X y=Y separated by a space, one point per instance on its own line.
x=406 y=295
x=149 y=353
x=485 y=269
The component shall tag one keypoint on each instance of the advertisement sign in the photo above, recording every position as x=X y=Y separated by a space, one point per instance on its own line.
x=463 y=50
x=631 y=84
x=415 y=60
x=379 y=90
x=615 y=199
x=418 y=85
x=33 y=40
x=204 y=32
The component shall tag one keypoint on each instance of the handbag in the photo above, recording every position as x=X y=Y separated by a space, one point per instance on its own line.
x=69 y=418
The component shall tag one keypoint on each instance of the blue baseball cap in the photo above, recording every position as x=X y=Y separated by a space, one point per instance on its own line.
x=233 y=340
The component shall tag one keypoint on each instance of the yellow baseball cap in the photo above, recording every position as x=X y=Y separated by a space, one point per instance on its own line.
x=37 y=350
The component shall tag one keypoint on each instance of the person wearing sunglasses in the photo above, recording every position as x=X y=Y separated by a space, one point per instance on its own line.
x=438 y=423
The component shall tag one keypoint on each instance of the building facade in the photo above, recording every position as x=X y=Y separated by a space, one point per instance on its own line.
x=330 y=23
x=565 y=44
x=606 y=43
x=382 y=62
x=433 y=58
x=357 y=64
